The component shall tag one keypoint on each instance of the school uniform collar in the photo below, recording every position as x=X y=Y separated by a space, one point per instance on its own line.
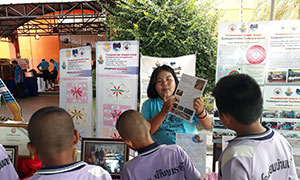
x=268 y=134
x=61 y=169
x=149 y=149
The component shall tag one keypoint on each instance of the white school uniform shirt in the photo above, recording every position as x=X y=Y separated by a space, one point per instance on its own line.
x=166 y=162
x=75 y=171
x=265 y=156
x=7 y=170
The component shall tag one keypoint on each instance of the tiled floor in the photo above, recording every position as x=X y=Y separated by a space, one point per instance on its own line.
x=31 y=104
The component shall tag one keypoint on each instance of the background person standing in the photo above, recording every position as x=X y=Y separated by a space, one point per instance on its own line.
x=44 y=68
x=54 y=73
x=19 y=79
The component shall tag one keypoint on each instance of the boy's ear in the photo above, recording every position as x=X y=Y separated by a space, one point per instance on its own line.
x=128 y=143
x=76 y=137
x=226 y=119
x=32 y=149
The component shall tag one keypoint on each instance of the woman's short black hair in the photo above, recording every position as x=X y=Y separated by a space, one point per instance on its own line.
x=151 y=91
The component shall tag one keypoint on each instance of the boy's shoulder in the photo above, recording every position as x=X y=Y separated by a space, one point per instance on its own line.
x=67 y=172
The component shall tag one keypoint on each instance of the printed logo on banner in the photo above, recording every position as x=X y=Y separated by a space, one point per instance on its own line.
x=64 y=65
x=68 y=53
x=243 y=28
x=13 y=130
x=232 y=27
x=288 y=92
x=294 y=27
x=298 y=91
x=81 y=51
x=116 y=46
x=75 y=52
x=126 y=46
x=106 y=47
x=100 y=60
x=277 y=91
x=253 y=27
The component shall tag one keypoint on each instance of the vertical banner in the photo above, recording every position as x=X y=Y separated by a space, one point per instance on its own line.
x=269 y=52
x=182 y=64
x=116 y=83
x=242 y=48
x=76 y=88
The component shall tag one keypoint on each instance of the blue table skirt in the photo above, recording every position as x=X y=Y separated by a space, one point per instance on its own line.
x=29 y=85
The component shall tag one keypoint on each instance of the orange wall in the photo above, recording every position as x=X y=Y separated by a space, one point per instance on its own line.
x=4 y=50
x=47 y=47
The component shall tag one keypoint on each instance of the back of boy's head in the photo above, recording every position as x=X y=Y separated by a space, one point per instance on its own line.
x=151 y=91
x=14 y=62
x=132 y=125
x=51 y=130
x=240 y=96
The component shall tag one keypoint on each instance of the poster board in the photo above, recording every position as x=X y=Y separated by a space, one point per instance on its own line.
x=75 y=94
x=195 y=146
x=117 y=68
x=269 y=52
x=182 y=64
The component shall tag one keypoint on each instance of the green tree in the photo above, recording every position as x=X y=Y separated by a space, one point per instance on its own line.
x=169 y=28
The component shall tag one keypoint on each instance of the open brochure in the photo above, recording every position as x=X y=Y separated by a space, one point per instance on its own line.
x=188 y=89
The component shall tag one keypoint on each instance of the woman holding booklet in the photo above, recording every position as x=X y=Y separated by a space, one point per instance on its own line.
x=164 y=126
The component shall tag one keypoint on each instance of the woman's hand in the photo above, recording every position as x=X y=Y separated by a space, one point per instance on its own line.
x=199 y=106
x=168 y=104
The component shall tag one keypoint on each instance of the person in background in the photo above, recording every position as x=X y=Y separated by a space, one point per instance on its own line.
x=53 y=138
x=164 y=126
x=154 y=161
x=7 y=170
x=44 y=68
x=54 y=73
x=258 y=152
x=19 y=79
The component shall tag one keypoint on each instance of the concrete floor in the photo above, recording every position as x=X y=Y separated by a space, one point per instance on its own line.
x=31 y=104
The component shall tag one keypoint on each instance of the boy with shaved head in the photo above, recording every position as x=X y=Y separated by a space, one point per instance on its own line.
x=154 y=161
x=52 y=138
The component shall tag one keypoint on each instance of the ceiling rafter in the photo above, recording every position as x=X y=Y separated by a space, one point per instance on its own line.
x=53 y=18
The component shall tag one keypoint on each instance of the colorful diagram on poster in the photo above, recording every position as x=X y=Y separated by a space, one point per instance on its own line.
x=111 y=113
x=234 y=72
x=79 y=114
x=77 y=92
x=256 y=54
x=111 y=132
x=117 y=91
x=228 y=70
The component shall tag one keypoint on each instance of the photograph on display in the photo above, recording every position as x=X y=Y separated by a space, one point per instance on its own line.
x=287 y=114
x=270 y=114
x=285 y=126
x=270 y=124
x=276 y=77
x=293 y=76
x=110 y=154
x=12 y=152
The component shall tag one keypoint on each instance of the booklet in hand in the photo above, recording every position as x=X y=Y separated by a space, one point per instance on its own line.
x=188 y=89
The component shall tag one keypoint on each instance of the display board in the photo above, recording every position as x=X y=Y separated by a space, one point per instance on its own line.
x=76 y=88
x=182 y=64
x=117 y=68
x=269 y=52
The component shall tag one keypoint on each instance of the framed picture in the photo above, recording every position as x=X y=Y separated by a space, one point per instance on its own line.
x=12 y=152
x=110 y=154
